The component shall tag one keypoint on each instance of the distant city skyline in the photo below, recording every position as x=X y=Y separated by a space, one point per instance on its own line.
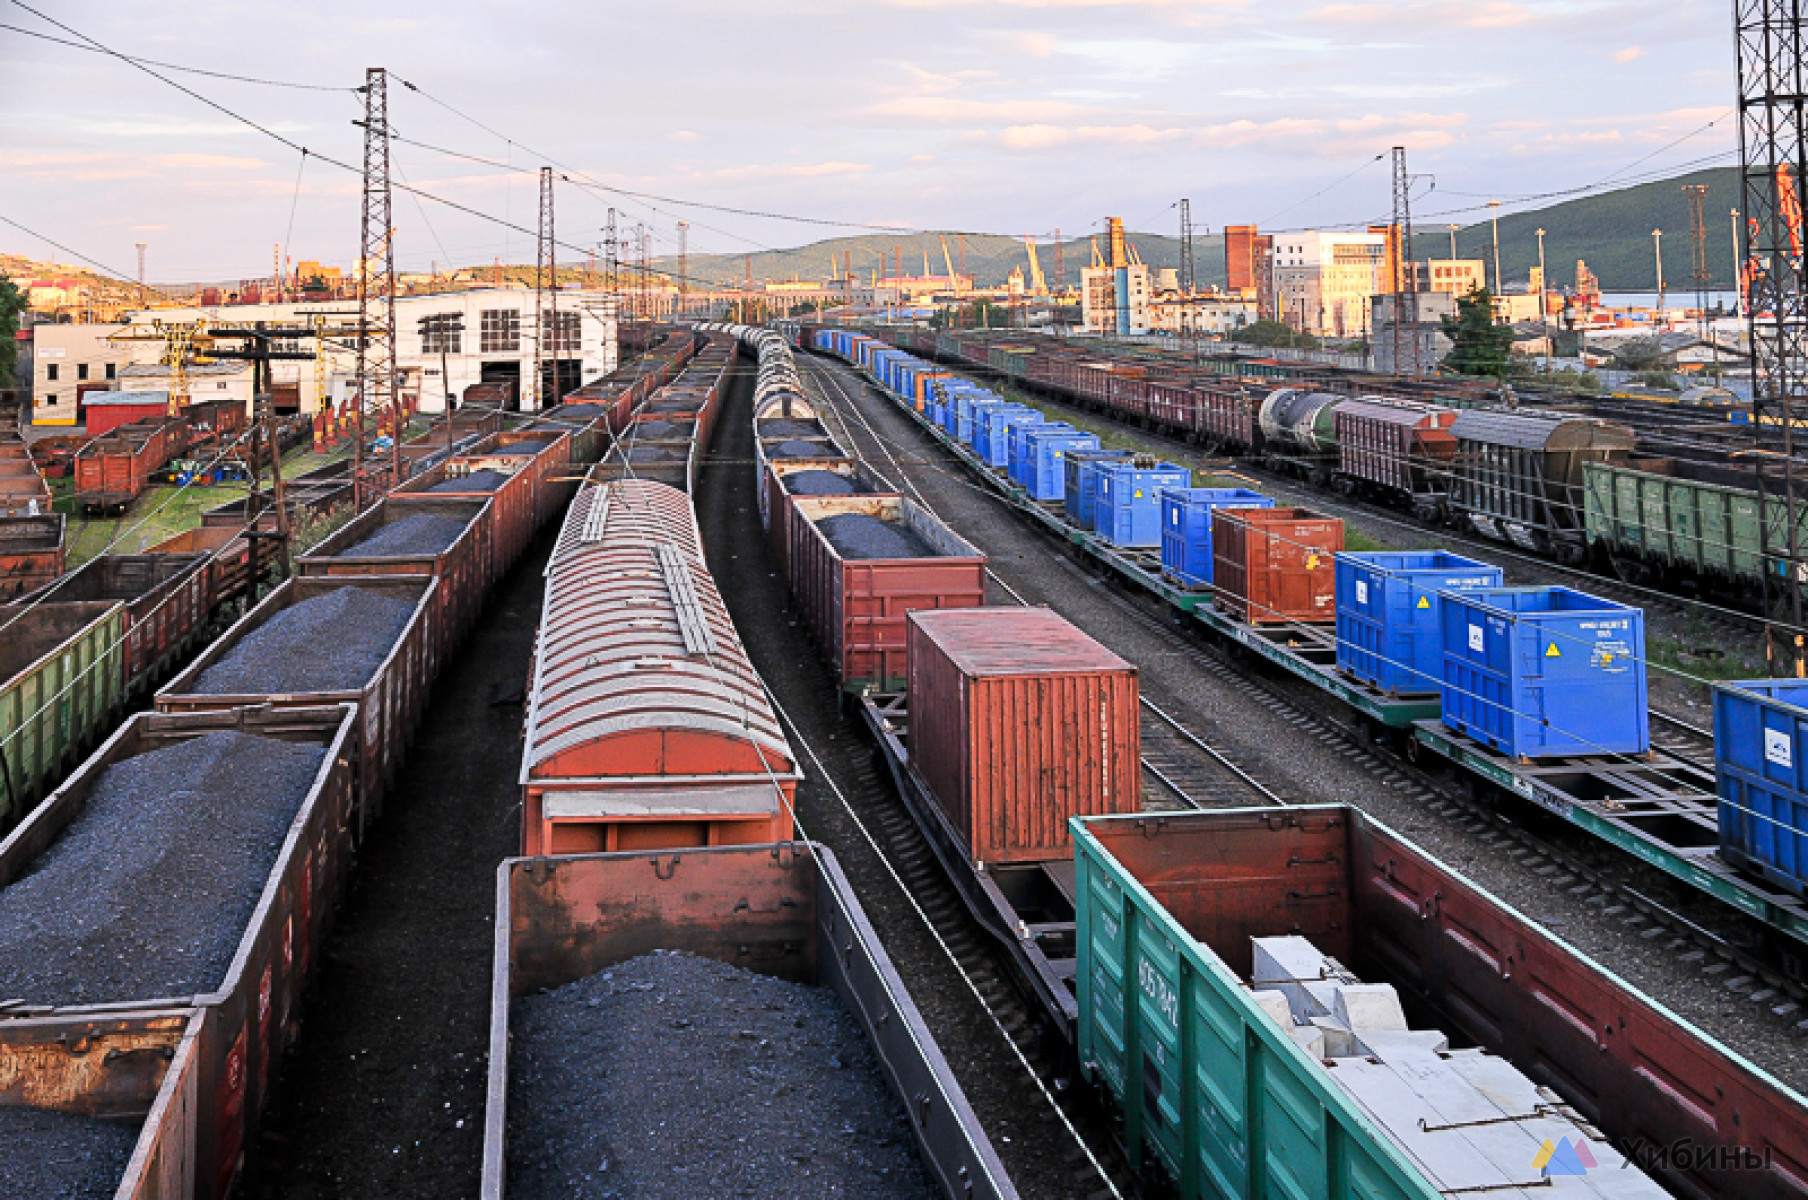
x=1000 y=116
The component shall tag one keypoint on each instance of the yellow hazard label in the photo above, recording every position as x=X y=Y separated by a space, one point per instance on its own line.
x=1424 y=602
x=1139 y=496
x=1311 y=561
x=1553 y=652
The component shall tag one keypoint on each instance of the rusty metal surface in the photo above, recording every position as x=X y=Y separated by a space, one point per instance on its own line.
x=1468 y=964
x=463 y=568
x=1274 y=565
x=783 y=910
x=1020 y=721
x=391 y=704
x=139 y=1066
x=248 y=1020
x=643 y=707
x=856 y=609
x=168 y=600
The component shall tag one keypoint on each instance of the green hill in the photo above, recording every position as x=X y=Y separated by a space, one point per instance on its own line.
x=989 y=258
x=1611 y=232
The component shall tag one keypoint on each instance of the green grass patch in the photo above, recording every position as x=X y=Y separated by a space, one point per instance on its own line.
x=1689 y=656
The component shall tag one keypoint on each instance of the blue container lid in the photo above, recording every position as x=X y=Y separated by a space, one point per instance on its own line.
x=1389 y=562
x=1193 y=495
x=1535 y=600
x=1792 y=692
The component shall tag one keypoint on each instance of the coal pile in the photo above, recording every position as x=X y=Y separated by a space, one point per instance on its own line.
x=147 y=893
x=422 y=533
x=476 y=481
x=676 y=1076
x=855 y=535
x=657 y=430
x=523 y=449
x=797 y=448
x=654 y=454
x=823 y=483
x=62 y=1156
x=333 y=642
x=677 y=404
x=781 y=428
x=578 y=412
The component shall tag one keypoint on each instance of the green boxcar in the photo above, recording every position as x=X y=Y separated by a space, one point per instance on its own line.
x=1685 y=518
x=1012 y=361
x=64 y=672
x=1206 y=1082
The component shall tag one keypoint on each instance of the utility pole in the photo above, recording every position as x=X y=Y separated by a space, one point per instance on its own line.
x=1494 y=216
x=141 y=246
x=1060 y=265
x=1657 y=249
x=1406 y=283
x=1453 y=230
x=612 y=262
x=1738 y=283
x=963 y=254
x=1698 y=234
x=546 y=302
x=1187 y=285
x=1773 y=157
x=684 y=257
x=376 y=372
x=1544 y=310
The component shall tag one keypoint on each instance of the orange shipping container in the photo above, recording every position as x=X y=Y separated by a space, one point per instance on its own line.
x=1274 y=565
x=1019 y=721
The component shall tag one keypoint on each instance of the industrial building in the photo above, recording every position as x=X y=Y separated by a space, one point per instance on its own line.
x=445 y=343
x=1323 y=281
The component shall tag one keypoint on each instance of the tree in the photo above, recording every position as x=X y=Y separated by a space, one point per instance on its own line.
x=12 y=303
x=1268 y=332
x=1479 y=345
x=1640 y=354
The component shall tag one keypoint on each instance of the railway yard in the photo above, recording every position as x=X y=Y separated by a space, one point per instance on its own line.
x=765 y=774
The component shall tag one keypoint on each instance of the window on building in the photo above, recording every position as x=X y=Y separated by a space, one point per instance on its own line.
x=81 y=370
x=112 y=370
x=50 y=372
x=500 y=330
x=443 y=333
x=568 y=337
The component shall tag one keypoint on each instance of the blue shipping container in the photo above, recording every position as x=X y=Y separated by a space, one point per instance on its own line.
x=1387 y=614
x=1129 y=504
x=1014 y=426
x=992 y=440
x=1047 y=473
x=967 y=423
x=1081 y=483
x=1760 y=741
x=1023 y=451
x=1186 y=529
x=1541 y=672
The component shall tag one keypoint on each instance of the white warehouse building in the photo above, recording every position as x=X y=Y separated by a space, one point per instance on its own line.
x=445 y=341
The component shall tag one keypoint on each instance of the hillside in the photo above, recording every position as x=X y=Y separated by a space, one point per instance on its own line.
x=989 y=258
x=1611 y=231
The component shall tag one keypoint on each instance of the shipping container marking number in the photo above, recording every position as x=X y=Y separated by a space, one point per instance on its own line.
x=1157 y=988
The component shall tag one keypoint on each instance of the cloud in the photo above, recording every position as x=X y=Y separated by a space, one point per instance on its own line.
x=949 y=110
x=99 y=166
x=1628 y=54
x=754 y=171
x=684 y=135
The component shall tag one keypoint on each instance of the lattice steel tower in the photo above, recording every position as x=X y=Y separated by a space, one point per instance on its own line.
x=377 y=384
x=1773 y=157
x=1187 y=284
x=547 y=341
x=1406 y=282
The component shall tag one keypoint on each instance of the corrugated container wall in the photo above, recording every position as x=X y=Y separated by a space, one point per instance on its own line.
x=1274 y=565
x=1761 y=775
x=1019 y=721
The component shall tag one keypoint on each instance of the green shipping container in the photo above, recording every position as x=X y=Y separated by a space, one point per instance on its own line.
x=1699 y=519
x=64 y=671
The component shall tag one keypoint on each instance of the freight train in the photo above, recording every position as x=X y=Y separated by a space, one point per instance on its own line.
x=1652 y=502
x=328 y=673
x=1209 y=968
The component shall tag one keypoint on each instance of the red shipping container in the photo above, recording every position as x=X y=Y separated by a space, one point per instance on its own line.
x=856 y=608
x=1019 y=721
x=1274 y=565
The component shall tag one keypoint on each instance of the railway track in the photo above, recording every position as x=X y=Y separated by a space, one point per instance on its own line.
x=1730 y=954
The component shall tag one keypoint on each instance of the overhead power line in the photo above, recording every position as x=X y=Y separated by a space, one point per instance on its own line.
x=277 y=83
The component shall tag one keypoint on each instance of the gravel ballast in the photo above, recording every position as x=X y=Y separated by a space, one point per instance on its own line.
x=823 y=483
x=677 y=1076
x=798 y=448
x=332 y=642
x=148 y=892
x=856 y=535
x=422 y=533
x=54 y=1155
x=476 y=481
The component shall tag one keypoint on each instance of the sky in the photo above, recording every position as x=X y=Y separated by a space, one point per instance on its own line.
x=825 y=117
